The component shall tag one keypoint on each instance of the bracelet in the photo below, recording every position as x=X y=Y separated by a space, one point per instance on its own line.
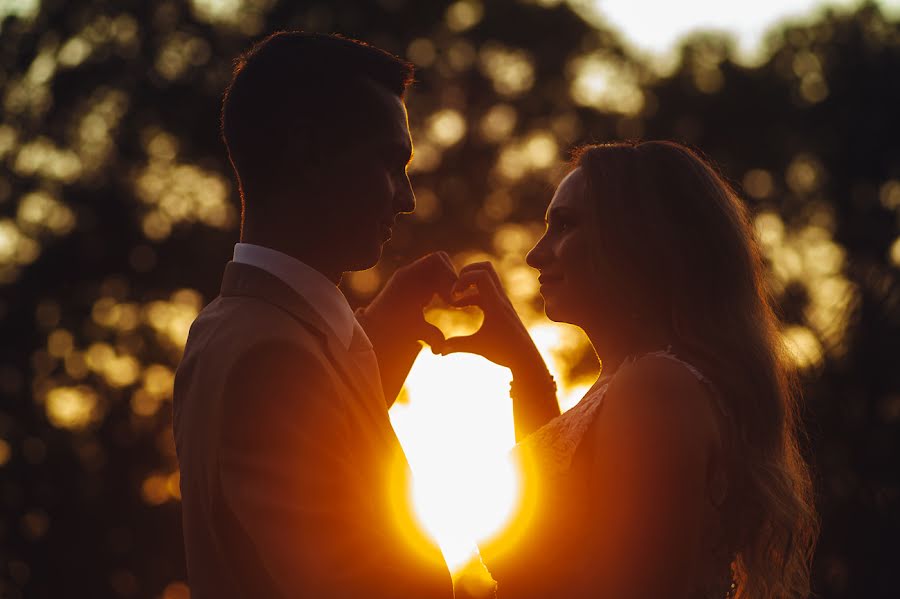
x=543 y=385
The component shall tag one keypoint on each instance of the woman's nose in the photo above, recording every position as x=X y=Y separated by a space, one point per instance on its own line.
x=537 y=258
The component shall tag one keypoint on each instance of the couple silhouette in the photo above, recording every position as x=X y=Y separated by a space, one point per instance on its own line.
x=678 y=475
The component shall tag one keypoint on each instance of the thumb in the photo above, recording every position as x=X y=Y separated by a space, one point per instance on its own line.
x=432 y=335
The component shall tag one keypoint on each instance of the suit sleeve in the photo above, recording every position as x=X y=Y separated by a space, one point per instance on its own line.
x=296 y=494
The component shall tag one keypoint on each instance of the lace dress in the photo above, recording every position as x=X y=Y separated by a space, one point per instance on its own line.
x=549 y=555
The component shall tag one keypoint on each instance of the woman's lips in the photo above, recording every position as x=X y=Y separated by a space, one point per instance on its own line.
x=548 y=280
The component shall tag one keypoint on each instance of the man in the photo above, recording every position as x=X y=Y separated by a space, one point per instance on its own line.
x=293 y=482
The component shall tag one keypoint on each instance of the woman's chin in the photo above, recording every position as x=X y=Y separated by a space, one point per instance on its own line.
x=554 y=311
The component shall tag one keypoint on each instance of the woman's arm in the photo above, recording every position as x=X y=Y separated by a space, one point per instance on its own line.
x=504 y=340
x=533 y=392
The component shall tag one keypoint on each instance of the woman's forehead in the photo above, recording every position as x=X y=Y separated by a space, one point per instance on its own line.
x=570 y=192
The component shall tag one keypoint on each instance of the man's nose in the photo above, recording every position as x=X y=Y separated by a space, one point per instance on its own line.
x=405 y=199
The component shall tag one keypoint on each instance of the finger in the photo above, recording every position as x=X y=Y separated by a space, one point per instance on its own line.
x=483 y=283
x=485 y=266
x=470 y=297
x=441 y=274
x=433 y=336
x=467 y=344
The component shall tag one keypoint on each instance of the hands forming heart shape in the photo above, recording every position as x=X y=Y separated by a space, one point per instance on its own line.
x=502 y=337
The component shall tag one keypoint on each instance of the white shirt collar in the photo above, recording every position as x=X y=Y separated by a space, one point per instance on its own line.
x=321 y=293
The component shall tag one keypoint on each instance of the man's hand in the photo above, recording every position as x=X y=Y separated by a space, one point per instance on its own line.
x=394 y=321
x=397 y=309
x=502 y=338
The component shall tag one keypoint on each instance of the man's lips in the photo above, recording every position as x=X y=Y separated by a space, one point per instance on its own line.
x=386 y=230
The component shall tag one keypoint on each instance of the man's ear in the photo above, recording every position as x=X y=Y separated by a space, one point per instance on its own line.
x=306 y=154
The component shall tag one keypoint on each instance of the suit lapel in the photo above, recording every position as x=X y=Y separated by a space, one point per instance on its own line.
x=249 y=281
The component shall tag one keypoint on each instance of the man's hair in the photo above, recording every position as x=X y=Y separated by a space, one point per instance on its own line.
x=291 y=90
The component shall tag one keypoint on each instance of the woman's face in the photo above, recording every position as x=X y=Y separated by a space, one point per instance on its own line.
x=568 y=280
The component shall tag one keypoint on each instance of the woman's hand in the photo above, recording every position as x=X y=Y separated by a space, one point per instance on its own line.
x=502 y=338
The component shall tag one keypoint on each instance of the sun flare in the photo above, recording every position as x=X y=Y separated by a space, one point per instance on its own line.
x=454 y=420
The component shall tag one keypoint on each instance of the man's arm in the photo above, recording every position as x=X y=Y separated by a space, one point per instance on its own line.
x=396 y=353
x=289 y=476
x=394 y=321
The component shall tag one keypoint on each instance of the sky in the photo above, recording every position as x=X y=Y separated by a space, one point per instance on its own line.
x=654 y=27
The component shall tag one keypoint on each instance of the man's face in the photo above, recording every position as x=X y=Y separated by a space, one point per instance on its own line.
x=370 y=187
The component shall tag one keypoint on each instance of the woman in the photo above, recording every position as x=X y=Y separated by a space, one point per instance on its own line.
x=678 y=475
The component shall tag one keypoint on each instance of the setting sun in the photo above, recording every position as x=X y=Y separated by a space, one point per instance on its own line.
x=454 y=420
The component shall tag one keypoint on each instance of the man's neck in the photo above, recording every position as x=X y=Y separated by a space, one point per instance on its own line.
x=313 y=257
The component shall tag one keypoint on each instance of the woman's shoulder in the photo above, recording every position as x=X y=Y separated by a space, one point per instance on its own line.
x=660 y=394
x=661 y=372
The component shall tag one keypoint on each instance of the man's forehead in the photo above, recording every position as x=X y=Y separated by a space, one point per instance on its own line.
x=390 y=107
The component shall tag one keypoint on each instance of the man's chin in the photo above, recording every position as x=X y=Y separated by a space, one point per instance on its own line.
x=368 y=259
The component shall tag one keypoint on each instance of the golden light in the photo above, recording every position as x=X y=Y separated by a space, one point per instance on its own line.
x=460 y=55
x=179 y=52
x=176 y=590
x=23 y=9
x=59 y=343
x=72 y=407
x=42 y=157
x=428 y=206
x=364 y=282
x=247 y=16
x=455 y=420
x=758 y=183
x=159 y=380
x=804 y=174
x=606 y=83
x=74 y=52
x=456 y=429
x=176 y=193
x=498 y=122
x=5 y=452
x=446 y=127
x=172 y=319
x=421 y=52
x=155 y=489
x=538 y=151
x=428 y=154
x=144 y=403
x=889 y=195
x=803 y=346
x=39 y=211
x=463 y=14
x=894 y=252
x=511 y=70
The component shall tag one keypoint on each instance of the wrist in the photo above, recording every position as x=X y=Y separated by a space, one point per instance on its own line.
x=530 y=365
x=538 y=383
x=386 y=333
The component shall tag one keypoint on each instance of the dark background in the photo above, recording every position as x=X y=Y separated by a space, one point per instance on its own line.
x=117 y=212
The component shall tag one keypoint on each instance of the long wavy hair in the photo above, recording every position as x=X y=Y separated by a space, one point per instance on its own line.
x=694 y=266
